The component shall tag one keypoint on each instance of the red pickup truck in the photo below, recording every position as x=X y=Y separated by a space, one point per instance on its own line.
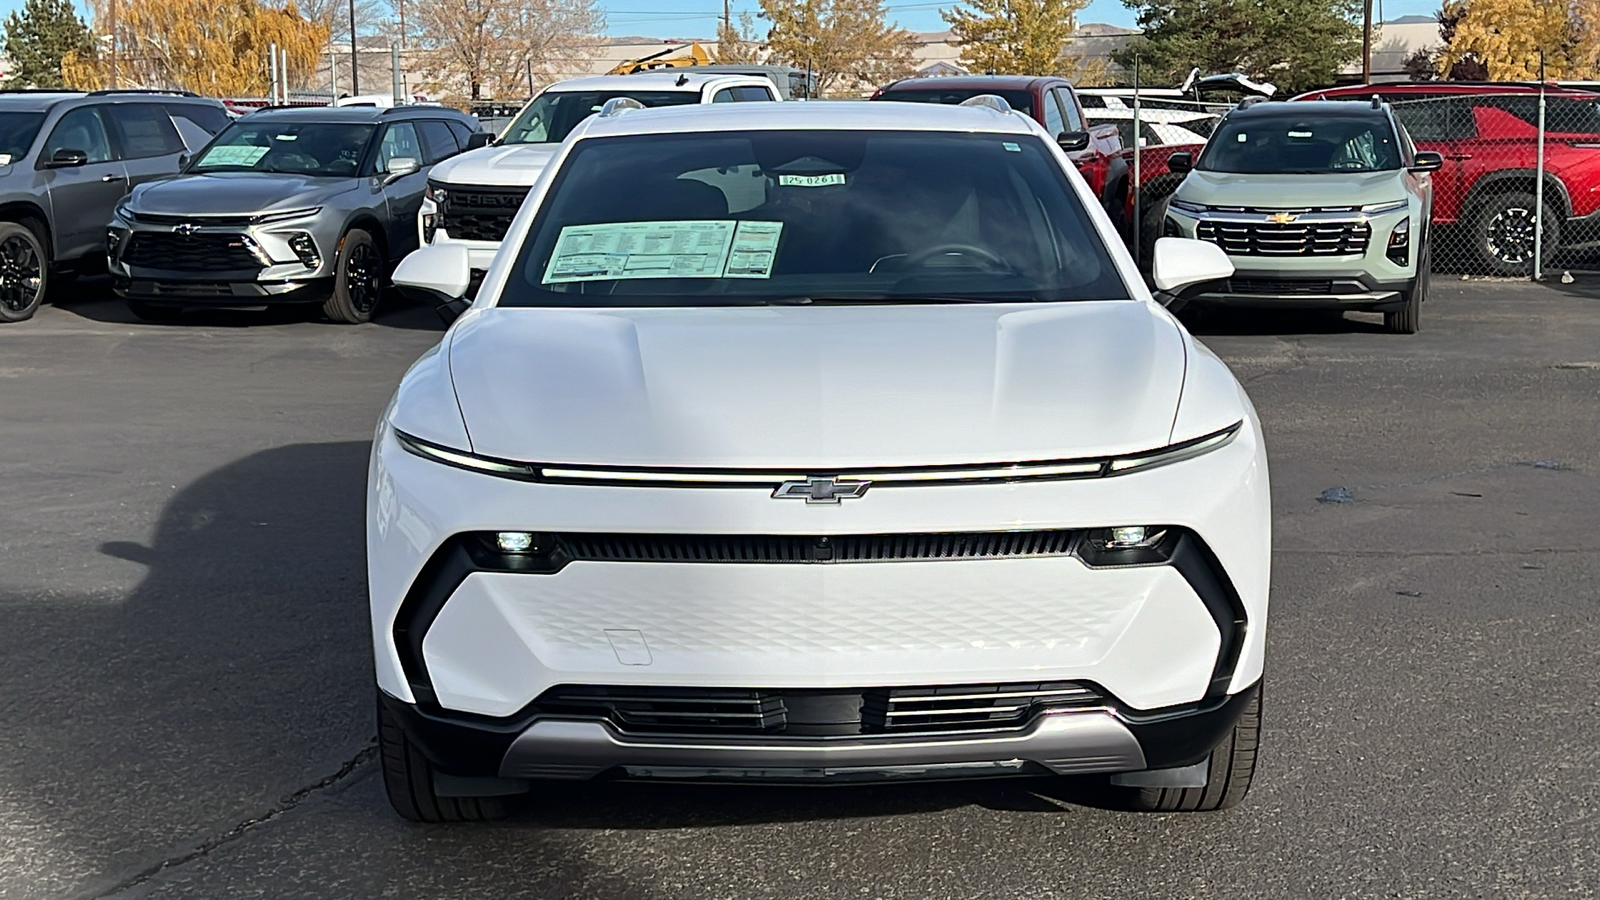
x=1095 y=149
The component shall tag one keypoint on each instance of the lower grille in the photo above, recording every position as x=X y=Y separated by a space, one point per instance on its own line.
x=1279 y=287
x=834 y=713
x=480 y=214
x=815 y=549
x=203 y=252
x=1289 y=239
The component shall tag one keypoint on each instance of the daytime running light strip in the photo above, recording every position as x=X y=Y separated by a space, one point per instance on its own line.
x=943 y=475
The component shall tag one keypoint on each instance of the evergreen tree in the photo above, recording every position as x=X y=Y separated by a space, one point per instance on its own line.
x=38 y=39
x=1295 y=44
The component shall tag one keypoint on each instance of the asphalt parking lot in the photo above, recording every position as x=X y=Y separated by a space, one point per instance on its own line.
x=187 y=692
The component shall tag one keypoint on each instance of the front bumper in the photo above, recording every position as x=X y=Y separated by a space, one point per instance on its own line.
x=267 y=271
x=187 y=290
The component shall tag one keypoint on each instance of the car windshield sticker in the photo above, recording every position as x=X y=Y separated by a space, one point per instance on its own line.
x=5 y=159
x=1012 y=148
x=810 y=180
x=234 y=155
x=1299 y=134
x=755 y=245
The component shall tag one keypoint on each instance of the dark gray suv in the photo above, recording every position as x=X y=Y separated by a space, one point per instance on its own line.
x=307 y=205
x=66 y=158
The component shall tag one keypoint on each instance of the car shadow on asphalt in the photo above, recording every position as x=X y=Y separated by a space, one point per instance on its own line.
x=91 y=298
x=1224 y=321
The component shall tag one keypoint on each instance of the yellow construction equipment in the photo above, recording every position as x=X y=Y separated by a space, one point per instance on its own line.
x=690 y=54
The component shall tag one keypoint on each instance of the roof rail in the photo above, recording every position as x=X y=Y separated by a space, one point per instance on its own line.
x=35 y=90
x=171 y=93
x=616 y=106
x=1377 y=101
x=988 y=101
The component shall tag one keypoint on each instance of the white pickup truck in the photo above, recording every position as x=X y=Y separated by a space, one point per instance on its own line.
x=472 y=197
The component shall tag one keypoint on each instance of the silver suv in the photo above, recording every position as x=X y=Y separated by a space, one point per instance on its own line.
x=66 y=158
x=311 y=206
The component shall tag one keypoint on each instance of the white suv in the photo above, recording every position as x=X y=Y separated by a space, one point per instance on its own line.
x=472 y=197
x=813 y=442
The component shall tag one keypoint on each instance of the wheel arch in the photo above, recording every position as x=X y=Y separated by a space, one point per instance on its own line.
x=34 y=218
x=1508 y=180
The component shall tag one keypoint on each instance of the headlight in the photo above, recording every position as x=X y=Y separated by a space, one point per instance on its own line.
x=1399 y=251
x=1375 y=209
x=437 y=193
x=1186 y=206
x=121 y=210
x=285 y=215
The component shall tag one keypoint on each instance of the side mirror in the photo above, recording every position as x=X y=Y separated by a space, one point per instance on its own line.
x=183 y=161
x=1073 y=141
x=439 y=275
x=1427 y=161
x=1180 y=163
x=479 y=139
x=67 y=159
x=400 y=167
x=1183 y=267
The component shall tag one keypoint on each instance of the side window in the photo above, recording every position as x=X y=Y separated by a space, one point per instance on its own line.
x=144 y=130
x=1053 y=122
x=724 y=96
x=206 y=116
x=399 y=140
x=1069 y=107
x=80 y=129
x=753 y=93
x=439 y=140
x=461 y=130
x=1446 y=119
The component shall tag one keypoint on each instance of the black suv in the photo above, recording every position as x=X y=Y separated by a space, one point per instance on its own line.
x=66 y=159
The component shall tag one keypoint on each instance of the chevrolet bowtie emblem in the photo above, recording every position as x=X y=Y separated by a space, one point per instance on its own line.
x=186 y=229
x=821 y=490
x=1282 y=218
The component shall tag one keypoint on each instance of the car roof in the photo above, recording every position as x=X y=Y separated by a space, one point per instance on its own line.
x=1328 y=109
x=970 y=82
x=1151 y=114
x=845 y=115
x=36 y=100
x=681 y=78
x=350 y=115
x=1364 y=91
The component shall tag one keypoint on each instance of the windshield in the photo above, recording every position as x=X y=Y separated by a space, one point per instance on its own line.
x=1280 y=144
x=302 y=148
x=17 y=131
x=797 y=217
x=1022 y=101
x=551 y=117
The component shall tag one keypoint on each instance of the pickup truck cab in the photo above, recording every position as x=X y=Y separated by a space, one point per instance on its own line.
x=1096 y=150
x=472 y=198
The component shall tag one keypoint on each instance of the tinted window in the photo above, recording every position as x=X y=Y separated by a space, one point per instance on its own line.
x=1436 y=120
x=17 y=131
x=1286 y=144
x=1053 y=122
x=1019 y=100
x=753 y=94
x=145 y=130
x=1069 y=107
x=208 y=117
x=439 y=140
x=829 y=216
x=723 y=96
x=551 y=117
x=1561 y=115
x=80 y=129
x=461 y=130
x=304 y=148
x=400 y=140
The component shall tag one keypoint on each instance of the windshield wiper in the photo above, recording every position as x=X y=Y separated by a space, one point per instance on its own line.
x=885 y=299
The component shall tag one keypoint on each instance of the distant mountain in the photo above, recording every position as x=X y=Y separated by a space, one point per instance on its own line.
x=1412 y=20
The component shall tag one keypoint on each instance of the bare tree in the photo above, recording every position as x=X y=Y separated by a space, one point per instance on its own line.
x=490 y=48
x=334 y=15
x=848 y=43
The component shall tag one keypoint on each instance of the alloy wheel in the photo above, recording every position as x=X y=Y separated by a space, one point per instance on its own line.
x=21 y=274
x=361 y=277
x=1510 y=235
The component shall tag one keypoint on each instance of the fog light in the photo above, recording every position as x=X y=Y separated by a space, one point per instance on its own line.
x=1128 y=545
x=1400 y=243
x=305 y=248
x=114 y=238
x=429 y=227
x=513 y=541
x=1130 y=537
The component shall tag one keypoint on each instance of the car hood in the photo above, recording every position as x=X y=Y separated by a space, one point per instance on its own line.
x=240 y=193
x=517 y=164
x=818 y=387
x=1298 y=191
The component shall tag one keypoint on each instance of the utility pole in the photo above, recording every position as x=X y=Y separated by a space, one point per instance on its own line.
x=727 y=17
x=113 y=17
x=1366 y=41
x=355 y=66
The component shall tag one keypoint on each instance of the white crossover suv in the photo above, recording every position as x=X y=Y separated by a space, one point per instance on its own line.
x=816 y=442
x=472 y=197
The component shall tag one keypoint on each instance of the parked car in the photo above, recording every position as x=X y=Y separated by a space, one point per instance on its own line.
x=472 y=199
x=66 y=158
x=1158 y=127
x=1488 y=137
x=1317 y=204
x=1052 y=102
x=309 y=206
x=1211 y=93
x=601 y=542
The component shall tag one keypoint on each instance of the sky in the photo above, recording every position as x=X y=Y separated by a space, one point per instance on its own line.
x=698 y=18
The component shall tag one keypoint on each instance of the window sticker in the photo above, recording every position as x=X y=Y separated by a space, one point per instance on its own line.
x=1243 y=137
x=755 y=246
x=1299 y=134
x=1012 y=148
x=5 y=159
x=810 y=180
x=286 y=137
x=234 y=155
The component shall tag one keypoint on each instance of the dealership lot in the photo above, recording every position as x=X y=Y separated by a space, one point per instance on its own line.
x=188 y=676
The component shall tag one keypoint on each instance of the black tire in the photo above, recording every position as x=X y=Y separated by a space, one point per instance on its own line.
x=24 y=272
x=1408 y=319
x=408 y=780
x=1233 y=767
x=357 y=280
x=1150 y=228
x=154 y=312
x=1502 y=232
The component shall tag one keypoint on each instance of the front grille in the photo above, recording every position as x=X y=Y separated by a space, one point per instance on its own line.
x=1287 y=239
x=832 y=713
x=186 y=219
x=480 y=213
x=1282 y=287
x=191 y=288
x=815 y=548
x=201 y=252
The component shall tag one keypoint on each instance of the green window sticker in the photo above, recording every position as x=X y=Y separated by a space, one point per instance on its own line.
x=1012 y=148
x=810 y=180
x=713 y=248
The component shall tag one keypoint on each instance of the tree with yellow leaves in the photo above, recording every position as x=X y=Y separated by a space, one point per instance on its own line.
x=1505 y=38
x=1015 y=37
x=212 y=47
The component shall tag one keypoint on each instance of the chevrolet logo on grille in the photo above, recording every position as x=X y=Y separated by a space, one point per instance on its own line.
x=187 y=229
x=1282 y=218
x=821 y=490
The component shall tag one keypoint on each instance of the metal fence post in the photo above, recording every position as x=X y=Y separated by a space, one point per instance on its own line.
x=1138 y=173
x=1538 y=193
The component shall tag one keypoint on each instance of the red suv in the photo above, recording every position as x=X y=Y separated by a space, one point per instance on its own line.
x=1095 y=149
x=1488 y=135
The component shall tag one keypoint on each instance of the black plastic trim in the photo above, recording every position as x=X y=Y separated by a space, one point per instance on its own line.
x=1184 y=736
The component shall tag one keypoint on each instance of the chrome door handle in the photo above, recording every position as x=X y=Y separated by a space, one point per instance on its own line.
x=109 y=178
